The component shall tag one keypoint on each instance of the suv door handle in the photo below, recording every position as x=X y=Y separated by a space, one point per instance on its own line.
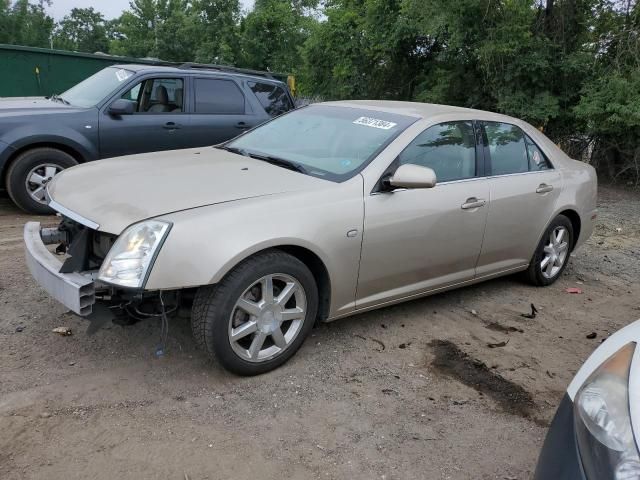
x=544 y=188
x=473 y=202
x=242 y=126
x=171 y=126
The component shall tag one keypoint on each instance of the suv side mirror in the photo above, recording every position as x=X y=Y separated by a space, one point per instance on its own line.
x=122 y=106
x=412 y=176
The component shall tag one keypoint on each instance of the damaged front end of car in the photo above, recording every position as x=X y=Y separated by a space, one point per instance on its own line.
x=98 y=275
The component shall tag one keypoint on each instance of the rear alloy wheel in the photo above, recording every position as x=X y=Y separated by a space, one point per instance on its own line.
x=31 y=172
x=257 y=317
x=552 y=254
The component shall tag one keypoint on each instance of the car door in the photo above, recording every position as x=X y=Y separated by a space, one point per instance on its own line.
x=524 y=188
x=159 y=121
x=220 y=113
x=417 y=240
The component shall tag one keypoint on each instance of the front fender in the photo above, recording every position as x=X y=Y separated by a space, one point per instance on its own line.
x=206 y=243
x=6 y=151
x=71 y=139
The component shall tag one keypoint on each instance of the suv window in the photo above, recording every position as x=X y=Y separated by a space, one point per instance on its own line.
x=447 y=148
x=537 y=159
x=506 y=148
x=273 y=98
x=157 y=95
x=218 y=96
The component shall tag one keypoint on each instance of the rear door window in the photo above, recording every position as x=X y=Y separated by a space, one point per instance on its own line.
x=507 y=149
x=273 y=98
x=537 y=159
x=218 y=96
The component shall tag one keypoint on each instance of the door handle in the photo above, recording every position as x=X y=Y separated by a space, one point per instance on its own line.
x=473 y=202
x=544 y=188
x=171 y=126
x=242 y=126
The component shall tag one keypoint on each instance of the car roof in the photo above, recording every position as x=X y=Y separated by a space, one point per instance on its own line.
x=420 y=110
x=199 y=71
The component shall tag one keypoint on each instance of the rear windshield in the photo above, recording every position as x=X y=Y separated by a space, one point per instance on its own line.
x=330 y=142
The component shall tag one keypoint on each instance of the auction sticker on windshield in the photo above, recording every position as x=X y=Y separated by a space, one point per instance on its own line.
x=122 y=75
x=375 y=123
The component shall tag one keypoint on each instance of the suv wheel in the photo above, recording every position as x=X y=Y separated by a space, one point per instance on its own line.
x=257 y=317
x=29 y=174
x=552 y=255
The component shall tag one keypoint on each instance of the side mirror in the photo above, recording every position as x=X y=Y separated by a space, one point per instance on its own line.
x=412 y=176
x=122 y=107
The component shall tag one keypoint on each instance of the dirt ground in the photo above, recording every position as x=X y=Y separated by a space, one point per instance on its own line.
x=407 y=392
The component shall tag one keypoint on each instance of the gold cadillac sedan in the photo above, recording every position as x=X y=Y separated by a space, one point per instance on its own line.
x=327 y=211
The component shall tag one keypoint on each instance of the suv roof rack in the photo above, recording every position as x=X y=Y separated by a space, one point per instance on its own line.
x=226 y=68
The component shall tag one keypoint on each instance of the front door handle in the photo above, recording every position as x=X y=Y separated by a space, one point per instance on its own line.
x=171 y=126
x=473 y=202
x=544 y=188
x=242 y=126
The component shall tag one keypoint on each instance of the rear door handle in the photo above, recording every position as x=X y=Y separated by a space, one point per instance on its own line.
x=242 y=126
x=544 y=188
x=171 y=126
x=473 y=202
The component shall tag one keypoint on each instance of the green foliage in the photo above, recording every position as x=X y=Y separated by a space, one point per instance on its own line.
x=155 y=28
x=25 y=23
x=571 y=67
x=272 y=35
x=82 y=30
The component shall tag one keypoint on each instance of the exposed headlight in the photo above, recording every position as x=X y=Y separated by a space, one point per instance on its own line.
x=128 y=260
x=603 y=423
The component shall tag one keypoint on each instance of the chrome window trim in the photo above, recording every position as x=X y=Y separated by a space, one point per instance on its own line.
x=520 y=173
x=73 y=216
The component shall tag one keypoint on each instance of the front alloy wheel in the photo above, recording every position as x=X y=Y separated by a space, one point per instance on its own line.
x=258 y=315
x=30 y=173
x=37 y=180
x=267 y=317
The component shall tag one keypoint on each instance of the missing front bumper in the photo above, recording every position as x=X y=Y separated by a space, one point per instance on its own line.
x=74 y=290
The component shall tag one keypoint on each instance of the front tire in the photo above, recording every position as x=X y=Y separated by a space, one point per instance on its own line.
x=552 y=254
x=259 y=314
x=29 y=174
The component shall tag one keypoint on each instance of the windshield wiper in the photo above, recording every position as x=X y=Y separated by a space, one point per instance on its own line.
x=237 y=150
x=280 y=162
x=58 y=98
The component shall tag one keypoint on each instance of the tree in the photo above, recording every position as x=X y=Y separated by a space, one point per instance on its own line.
x=83 y=30
x=25 y=23
x=367 y=49
x=273 y=33
x=217 y=30
x=609 y=106
x=155 y=28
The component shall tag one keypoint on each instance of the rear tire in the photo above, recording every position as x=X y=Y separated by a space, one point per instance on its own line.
x=29 y=174
x=240 y=303
x=552 y=255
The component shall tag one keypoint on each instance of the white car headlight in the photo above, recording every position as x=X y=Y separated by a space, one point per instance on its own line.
x=603 y=423
x=128 y=261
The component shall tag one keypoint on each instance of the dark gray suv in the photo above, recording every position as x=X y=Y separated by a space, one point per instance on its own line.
x=128 y=109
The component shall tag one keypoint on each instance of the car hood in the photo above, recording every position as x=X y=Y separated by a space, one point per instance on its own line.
x=32 y=106
x=117 y=192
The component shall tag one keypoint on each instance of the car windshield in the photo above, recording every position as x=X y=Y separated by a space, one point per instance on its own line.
x=325 y=141
x=94 y=89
